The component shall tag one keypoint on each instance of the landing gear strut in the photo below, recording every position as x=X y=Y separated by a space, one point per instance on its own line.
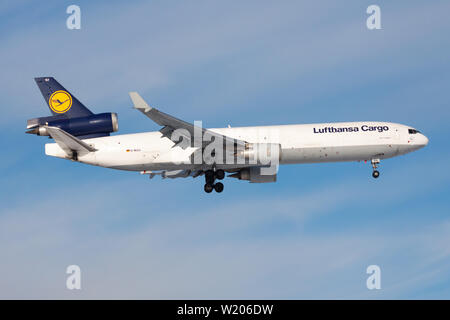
x=375 y=172
x=210 y=178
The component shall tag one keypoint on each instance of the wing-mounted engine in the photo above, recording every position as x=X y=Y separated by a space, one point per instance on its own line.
x=255 y=175
x=259 y=153
x=95 y=125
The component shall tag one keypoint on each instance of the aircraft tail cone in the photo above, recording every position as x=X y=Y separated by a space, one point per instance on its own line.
x=33 y=131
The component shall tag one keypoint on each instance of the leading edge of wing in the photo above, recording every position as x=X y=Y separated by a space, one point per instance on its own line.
x=171 y=123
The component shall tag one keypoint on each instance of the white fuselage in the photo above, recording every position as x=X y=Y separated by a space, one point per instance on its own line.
x=302 y=143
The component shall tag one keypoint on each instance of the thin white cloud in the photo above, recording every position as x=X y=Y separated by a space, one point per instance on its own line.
x=212 y=250
x=144 y=49
x=131 y=246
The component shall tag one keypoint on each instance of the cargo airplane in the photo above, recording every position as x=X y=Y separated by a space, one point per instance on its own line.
x=181 y=149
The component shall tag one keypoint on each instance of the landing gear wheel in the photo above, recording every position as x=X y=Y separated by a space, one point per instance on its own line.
x=375 y=163
x=209 y=188
x=220 y=174
x=218 y=187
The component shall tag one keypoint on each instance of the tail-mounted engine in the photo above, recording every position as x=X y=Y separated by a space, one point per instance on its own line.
x=95 y=125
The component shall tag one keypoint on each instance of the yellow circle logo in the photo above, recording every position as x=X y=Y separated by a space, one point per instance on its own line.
x=60 y=101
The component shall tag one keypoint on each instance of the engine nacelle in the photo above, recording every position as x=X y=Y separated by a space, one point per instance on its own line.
x=260 y=153
x=96 y=124
x=254 y=175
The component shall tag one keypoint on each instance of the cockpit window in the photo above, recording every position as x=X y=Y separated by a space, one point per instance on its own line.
x=413 y=131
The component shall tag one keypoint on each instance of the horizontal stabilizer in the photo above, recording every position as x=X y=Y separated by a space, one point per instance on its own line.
x=70 y=144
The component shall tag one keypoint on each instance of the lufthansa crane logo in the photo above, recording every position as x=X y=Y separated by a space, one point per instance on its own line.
x=60 y=101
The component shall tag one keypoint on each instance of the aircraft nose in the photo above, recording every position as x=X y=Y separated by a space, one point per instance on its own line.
x=422 y=141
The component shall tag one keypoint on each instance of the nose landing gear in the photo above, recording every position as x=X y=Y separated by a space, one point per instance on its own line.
x=375 y=172
x=210 y=178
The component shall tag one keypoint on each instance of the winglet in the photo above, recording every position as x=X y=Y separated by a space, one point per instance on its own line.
x=138 y=102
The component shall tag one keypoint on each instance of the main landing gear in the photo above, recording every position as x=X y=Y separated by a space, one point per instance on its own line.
x=375 y=172
x=210 y=178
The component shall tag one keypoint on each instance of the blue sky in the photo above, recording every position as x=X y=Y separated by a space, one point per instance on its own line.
x=310 y=235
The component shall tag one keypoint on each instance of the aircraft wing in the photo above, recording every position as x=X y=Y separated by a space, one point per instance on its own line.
x=68 y=142
x=170 y=123
x=173 y=173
